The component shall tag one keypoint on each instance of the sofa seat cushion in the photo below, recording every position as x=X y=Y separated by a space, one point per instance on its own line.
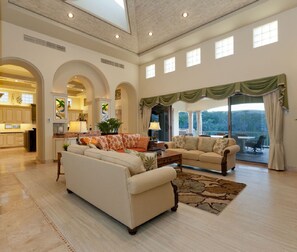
x=211 y=157
x=133 y=162
x=192 y=154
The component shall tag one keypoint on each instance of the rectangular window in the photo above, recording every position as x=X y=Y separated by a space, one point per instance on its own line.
x=169 y=65
x=150 y=71
x=265 y=34
x=193 y=57
x=4 y=97
x=27 y=98
x=224 y=47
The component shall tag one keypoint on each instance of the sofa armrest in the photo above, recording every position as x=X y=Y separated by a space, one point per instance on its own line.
x=170 y=145
x=230 y=150
x=147 y=180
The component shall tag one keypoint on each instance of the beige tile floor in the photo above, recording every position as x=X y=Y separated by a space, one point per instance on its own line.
x=23 y=227
x=262 y=218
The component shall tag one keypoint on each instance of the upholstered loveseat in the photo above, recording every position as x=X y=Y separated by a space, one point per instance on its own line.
x=118 y=142
x=118 y=184
x=206 y=152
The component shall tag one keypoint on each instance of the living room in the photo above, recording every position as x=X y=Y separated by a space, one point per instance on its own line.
x=53 y=70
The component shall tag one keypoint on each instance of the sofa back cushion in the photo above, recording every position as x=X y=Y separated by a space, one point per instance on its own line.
x=130 y=140
x=101 y=142
x=143 y=142
x=179 y=141
x=78 y=149
x=94 y=153
x=206 y=144
x=115 y=142
x=133 y=162
x=220 y=145
x=191 y=143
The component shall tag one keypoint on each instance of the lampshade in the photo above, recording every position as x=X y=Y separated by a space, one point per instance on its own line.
x=154 y=126
x=78 y=126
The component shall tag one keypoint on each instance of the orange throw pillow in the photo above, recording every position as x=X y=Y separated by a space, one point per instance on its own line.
x=143 y=142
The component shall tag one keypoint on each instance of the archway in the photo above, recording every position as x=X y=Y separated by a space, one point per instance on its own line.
x=40 y=120
x=126 y=107
x=92 y=78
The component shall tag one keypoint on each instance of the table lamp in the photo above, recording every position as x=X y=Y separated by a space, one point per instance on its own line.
x=154 y=127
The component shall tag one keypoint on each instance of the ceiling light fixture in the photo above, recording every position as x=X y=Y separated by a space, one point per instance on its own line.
x=70 y=15
x=150 y=33
x=117 y=36
x=185 y=14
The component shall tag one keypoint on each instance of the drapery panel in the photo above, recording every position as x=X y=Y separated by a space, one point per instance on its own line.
x=258 y=87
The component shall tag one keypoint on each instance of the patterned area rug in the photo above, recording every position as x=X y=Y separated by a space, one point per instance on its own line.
x=206 y=193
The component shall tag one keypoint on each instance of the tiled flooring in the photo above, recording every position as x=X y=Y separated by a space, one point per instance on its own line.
x=23 y=227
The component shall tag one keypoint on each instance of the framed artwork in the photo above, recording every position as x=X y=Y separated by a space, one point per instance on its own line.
x=118 y=94
x=104 y=110
x=60 y=109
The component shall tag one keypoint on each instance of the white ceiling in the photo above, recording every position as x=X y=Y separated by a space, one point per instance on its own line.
x=171 y=32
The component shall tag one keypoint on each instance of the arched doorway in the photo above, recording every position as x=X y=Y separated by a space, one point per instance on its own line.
x=38 y=78
x=126 y=107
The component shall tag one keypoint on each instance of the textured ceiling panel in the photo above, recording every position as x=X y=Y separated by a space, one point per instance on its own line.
x=162 y=17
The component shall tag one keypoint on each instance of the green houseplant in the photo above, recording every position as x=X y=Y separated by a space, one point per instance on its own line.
x=110 y=126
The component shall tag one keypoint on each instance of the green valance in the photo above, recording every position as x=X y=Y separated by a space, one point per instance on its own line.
x=258 y=87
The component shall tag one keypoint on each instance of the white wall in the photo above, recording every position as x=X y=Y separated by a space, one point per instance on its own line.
x=246 y=64
x=48 y=61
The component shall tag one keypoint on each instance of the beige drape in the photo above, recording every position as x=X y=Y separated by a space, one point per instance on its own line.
x=146 y=117
x=274 y=118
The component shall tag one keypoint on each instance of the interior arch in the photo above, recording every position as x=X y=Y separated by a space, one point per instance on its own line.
x=40 y=119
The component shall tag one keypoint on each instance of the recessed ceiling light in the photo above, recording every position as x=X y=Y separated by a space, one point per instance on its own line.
x=117 y=36
x=70 y=15
x=150 y=33
x=185 y=14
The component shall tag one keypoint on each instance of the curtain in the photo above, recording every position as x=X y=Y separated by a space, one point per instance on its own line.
x=146 y=117
x=258 y=87
x=274 y=118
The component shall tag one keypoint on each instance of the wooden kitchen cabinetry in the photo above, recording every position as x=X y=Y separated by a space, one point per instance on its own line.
x=11 y=140
x=15 y=114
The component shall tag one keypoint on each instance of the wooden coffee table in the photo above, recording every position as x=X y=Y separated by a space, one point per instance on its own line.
x=169 y=157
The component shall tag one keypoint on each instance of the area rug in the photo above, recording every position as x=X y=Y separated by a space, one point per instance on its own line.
x=206 y=193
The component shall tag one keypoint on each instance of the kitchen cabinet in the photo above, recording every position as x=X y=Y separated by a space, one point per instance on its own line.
x=73 y=114
x=15 y=114
x=58 y=145
x=11 y=140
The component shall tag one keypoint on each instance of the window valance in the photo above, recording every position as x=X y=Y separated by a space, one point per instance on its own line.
x=258 y=87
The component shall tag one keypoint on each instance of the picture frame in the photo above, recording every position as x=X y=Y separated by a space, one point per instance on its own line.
x=60 y=108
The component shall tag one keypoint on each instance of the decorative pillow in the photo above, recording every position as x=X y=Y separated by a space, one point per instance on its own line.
x=130 y=140
x=148 y=159
x=143 y=142
x=102 y=143
x=115 y=142
x=220 y=145
x=206 y=144
x=231 y=141
x=179 y=141
x=191 y=143
x=85 y=140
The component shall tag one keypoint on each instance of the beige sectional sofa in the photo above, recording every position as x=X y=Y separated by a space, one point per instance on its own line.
x=118 y=184
x=206 y=152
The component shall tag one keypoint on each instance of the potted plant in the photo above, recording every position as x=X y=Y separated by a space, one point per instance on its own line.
x=65 y=146
x=110 y=126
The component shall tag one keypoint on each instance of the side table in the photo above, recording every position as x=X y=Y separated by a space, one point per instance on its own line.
x=59 y=166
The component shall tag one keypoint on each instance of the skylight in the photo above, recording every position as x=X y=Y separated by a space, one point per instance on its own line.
x=111 y=11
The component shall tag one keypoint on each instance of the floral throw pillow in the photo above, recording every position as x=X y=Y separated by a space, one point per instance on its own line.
x=148 y=159
x=179 y=141
x=102 y=143
x=130 y=140
x=220 y=145
x=115 y=142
